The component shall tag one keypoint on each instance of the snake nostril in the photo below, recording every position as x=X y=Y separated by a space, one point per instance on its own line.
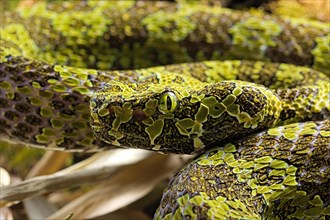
x=139 y=115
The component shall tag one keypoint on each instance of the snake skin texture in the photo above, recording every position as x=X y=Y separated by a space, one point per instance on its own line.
x=170 y=112
x=143 y=33
x=64 y=85
x=281 y=173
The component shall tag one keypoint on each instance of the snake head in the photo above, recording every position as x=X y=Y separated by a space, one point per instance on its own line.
x=178 y=114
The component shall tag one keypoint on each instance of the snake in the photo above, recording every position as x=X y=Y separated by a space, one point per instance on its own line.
x=247 y=92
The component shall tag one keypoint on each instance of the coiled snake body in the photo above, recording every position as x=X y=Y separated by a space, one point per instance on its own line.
x=270 y=155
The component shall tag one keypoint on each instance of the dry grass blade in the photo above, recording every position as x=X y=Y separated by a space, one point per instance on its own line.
x=5 y=212
x=4 y=177
x=42 y=184
x=126 y=186
x=124 y=214
x=39 y=207
x=95 y=168
x=51 y=162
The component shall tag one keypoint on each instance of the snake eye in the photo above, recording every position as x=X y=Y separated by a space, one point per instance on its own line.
x=167 y=102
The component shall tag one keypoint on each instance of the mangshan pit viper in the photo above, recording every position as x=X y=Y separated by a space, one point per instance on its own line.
x=259 y=119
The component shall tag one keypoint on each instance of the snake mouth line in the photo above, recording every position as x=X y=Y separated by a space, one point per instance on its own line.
x=100 y=131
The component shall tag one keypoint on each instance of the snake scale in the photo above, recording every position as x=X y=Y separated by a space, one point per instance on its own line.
x=64 y=85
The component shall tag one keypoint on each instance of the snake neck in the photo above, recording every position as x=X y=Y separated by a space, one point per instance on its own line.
x=304 y=103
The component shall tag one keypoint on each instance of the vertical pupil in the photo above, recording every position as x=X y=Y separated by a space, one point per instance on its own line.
x=168 y=103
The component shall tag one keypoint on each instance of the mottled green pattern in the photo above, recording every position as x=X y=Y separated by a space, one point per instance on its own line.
x=48 y=99
x=170 y=111
x=156 y=33
x=265 y=176
x=48 y=106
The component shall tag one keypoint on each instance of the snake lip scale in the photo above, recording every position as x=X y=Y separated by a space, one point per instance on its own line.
x=246 y=92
